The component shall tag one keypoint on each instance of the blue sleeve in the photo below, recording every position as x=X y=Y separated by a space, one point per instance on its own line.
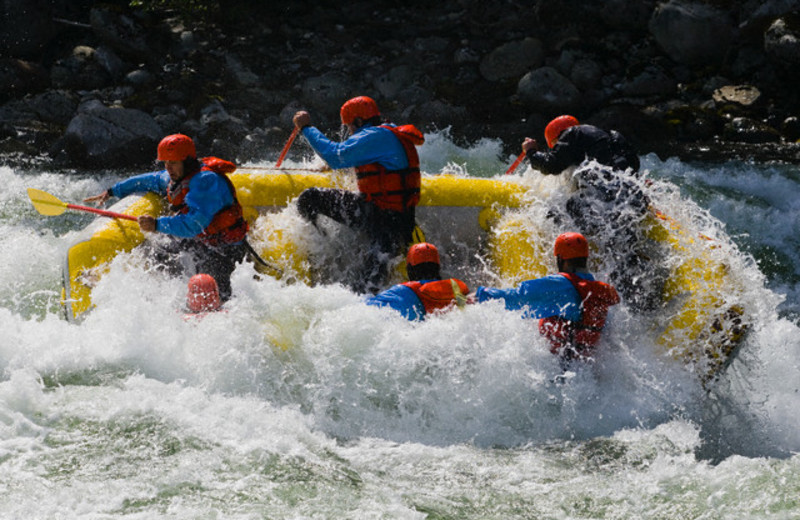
x=154 y=181
x=402 y=299
x=370 y=144
x=552 y=295
x=208 y=194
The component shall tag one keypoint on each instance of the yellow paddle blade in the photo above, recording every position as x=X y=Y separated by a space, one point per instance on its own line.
x=461 y=299
x=45 y=203
x=417 y=236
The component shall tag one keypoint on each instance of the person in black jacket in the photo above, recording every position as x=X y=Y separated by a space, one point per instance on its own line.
x=609 y=205
x=571 y=143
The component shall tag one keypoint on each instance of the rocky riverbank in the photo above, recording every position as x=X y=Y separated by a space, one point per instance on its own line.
x=90 y=85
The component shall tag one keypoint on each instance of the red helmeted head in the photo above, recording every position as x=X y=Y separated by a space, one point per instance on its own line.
x=362 y=106
x=176 y=147
x=571 y=245
x=422 y=253
x=556 y=126
x=203 y=294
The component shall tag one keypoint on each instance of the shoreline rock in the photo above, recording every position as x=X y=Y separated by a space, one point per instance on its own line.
x=685 y=78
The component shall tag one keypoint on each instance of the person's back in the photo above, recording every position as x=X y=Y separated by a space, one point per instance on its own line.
x=578 y=143
x=425 y=293
x=571 y=306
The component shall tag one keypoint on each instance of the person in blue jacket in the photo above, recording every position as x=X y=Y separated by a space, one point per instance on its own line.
x=571 y=306
x=425 y=292
x=387 y=169
x=206 y=218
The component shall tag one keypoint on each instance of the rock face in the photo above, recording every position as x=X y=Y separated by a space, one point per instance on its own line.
x=102 y=137
x=87 y=84
x=692 y=32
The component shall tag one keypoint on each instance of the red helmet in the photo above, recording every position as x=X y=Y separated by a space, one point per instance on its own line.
x=571 y=245
x=361 y=106
x=176 y=147
x=422 y=253
x=556 y=126
x=203 y=293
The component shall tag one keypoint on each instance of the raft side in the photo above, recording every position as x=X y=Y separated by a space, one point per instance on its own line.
x=101 y=242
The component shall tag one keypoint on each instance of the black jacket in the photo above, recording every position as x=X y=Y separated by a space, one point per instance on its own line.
x=581 y=142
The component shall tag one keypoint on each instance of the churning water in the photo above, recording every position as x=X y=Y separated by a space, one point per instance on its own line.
x=139 y=413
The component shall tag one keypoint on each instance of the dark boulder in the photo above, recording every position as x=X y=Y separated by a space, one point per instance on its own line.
x=102 y=137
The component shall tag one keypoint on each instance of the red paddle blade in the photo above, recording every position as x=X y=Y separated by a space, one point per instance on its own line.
x=513 y=167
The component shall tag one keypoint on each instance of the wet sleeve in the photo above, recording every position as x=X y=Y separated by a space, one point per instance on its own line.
x=156 y=182
x=208 y=194
x=555 y=161
x=367 y=146
x=552 y=295
x=402 y=299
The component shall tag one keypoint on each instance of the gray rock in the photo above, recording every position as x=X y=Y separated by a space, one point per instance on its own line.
x=782 y=40
x=326 y=91
x=746 y=96
x=465 y=55
x=121 y=33
x=586 y=74
x=102 y=137
x=80 y=71
x=139 y=78
x=391 y=83
x=169 y=123
x=512 y=59
x=624 y=14
x=438 y=114
x=54 y=106
x=746 y=130
x=651 y=81
x=218 y=124
x=19 y=77
x=766 y=12
x=545 y=90
x=692 y=32
x=110 y=62
x=414 y=95
x=240 y=72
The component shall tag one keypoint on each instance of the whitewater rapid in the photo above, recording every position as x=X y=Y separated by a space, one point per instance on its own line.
x=139 y=412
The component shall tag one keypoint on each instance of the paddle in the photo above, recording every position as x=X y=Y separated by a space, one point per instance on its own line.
x=286 y=147
x=50 y=206
x=513 y=167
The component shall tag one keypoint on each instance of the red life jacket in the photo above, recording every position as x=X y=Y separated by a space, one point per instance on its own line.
x=438 y=294
x=228 y=226
x=579 y=338
x=396 y=190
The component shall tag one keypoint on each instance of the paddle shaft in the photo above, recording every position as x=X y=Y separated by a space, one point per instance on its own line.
x=286 y=147
x=513 y=167
x=103 y=212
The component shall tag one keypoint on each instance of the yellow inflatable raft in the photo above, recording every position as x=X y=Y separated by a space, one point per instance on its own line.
x=702 y=326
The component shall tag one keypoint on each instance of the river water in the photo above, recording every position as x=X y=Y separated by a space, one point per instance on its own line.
x=139 y=413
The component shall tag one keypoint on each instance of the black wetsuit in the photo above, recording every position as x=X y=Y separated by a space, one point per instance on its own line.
x=609 y=206
x=388 y=231
x=581 y=142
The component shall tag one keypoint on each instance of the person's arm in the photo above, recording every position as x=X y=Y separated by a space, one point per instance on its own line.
x=153 y=181
x=552 y=295
x=208 y=194
x=402 y=299
x=368 y=145
x=569 y=150
x=555 y=161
